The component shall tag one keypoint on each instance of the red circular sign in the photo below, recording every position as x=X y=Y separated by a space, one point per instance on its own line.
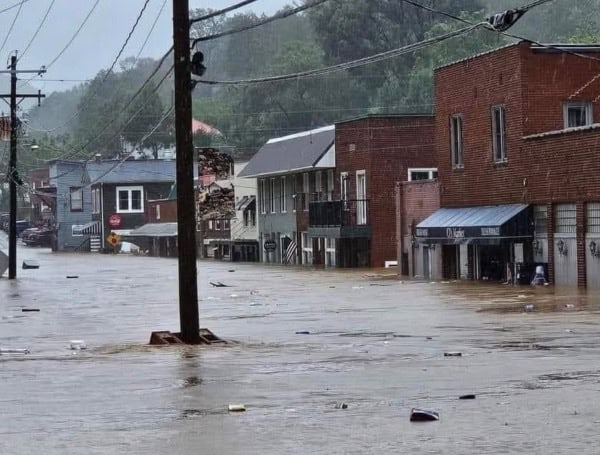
x=114 y=220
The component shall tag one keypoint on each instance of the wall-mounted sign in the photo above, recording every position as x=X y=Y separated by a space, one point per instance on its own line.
x=114 y=220
x=270 y=245
x=490 y=231
x=455 y=233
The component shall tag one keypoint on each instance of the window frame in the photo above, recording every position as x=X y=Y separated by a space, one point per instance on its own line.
x=457 y=147
x=430 y=171
x=129 y=190
x=75 y=190
x=282 y=194
x=263 y=196
x=589 y=113
x=272 y=195
x=501 y=157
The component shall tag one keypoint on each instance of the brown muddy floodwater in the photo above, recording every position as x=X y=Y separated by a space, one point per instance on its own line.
x=376 y=344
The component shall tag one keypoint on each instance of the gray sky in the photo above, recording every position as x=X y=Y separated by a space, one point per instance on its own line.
x=100 y=39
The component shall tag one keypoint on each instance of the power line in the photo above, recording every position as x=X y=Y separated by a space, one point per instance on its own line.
x=351 y=64
x=221 y=12
x=10 y=29
x=135 y=24
x=275 y=17
x=13 y=6
x=35 y=34
x=151 y=29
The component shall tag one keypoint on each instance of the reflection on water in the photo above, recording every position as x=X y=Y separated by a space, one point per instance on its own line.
x=306 y=340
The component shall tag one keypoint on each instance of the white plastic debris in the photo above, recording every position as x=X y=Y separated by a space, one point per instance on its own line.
x=237 y=408
x=78 y=345
x=14 y=351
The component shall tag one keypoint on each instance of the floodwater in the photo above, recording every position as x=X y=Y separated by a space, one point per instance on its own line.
x=374 y=343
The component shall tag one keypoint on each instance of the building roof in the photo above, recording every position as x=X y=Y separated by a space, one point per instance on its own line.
x=384 y=116
x=131 y=171
x=295 y=152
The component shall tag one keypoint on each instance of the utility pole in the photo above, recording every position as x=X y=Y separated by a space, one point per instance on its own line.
x=13 y=175
x=186 y=206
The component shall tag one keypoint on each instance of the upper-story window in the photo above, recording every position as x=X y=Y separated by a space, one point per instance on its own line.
x=130 y=199
x=305 y=190
x=262 y=195
x=456 y=140
x=96 y=208
x=272 y=196
x=577 y=113
x=282 y=195
x=499 y=134
x=422 y=174
x=76 y=199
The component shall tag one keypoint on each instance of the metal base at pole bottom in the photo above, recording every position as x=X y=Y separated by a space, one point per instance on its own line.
x=167 y=338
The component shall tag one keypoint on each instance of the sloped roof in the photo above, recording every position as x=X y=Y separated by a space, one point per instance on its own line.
x=133 y=171
x=495 y=215
x=290 y=153
x=155 y=230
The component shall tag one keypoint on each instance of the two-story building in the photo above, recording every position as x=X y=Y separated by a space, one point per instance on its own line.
x=357 y=228
x=517 y=149
x=292 y=171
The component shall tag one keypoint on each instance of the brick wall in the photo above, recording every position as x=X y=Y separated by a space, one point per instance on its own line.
x=385 y=147
x=419 y=200
x=168 y=211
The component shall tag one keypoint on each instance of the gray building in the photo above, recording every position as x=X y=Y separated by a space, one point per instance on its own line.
x=291 y=172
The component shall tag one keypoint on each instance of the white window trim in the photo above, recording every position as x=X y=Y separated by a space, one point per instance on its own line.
x=72 y=191
x=129 y=190
x=361 y=200
x=503 y=156
x=455 y=163
x=272 y=196
x=263 y=196
x=429 y=170
x=344 y=188
x=589 y=112
x=282 y=195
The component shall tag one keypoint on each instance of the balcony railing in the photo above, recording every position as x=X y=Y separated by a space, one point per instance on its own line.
x=339 y=213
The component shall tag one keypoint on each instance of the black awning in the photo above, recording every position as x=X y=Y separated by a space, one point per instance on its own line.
x=245 y=203
x=484 y=224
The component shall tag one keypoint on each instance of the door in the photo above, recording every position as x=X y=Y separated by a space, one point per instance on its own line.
x=361 y=198
x=426 y=267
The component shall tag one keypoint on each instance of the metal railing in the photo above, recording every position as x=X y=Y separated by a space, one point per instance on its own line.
x=338 y=213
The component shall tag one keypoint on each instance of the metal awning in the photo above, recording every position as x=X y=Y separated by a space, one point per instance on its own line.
x=483 y=224
x=92 y=228
x=155 y=230
x=245 y=203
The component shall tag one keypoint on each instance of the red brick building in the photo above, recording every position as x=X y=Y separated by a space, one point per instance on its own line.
x=516 y=135
x=372 y=153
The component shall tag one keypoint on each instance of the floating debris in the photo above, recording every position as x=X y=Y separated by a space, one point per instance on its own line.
x=423 y=415
x=29 y=310
x=218 y=284
x=14 y=351
x=469 y=396
x=341 y=405
x=303 y=332
x=529 y=307
x=452 y=354
x=77 y=345
x=237 y=408
x=71 y=277
x=31 y=264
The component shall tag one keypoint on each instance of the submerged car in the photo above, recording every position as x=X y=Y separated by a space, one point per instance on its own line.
x=38 y=236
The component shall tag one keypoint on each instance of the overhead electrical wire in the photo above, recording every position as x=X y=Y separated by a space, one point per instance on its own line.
x=350 y=64
x=8 y=8
x=37 y=31
x=10 y=29
x=221 y=11
x=281 y=15
x=151 y=30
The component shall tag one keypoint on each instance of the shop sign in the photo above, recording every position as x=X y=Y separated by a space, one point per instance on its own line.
x=490 y=231
x=455 y=233
x=422 y=232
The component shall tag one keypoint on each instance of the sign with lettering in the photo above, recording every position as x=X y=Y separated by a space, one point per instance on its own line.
x=422 y=233
x=455 y=233
x=490 y=231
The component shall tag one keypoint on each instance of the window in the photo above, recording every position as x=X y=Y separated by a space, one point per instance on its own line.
x=158 y=211
x=210 y=225
x=305 y=190
x=307 y=250
x=361 y=197
x=456 y=139
x=76 y=199
x=129 y=199
x=263 y=196
x=540 y=219
x=330 y=252
x=577 y=114
x=295 y=192
x=565 y=218
x=96 y=201
x=226 y=224
x=217 y=225
x=593 y=217
x=499 y=134
x=272 y=198
x=282 y=196
x=422 y=174
x=330 y=184
x=318 y=185
x=344 y=186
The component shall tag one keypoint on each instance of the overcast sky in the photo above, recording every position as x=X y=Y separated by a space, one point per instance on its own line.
x=101 y=37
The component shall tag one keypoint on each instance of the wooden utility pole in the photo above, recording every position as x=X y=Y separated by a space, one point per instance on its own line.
x=186 y=206
x=13 y=175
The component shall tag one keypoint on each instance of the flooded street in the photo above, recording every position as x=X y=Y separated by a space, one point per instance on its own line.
x=374 y=343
